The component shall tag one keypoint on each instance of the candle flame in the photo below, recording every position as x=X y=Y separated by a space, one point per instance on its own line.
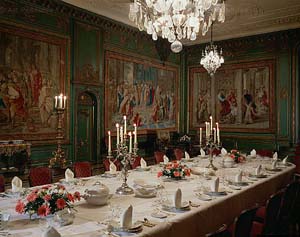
x=117 y=125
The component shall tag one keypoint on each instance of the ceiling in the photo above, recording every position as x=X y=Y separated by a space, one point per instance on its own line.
x=243 y=17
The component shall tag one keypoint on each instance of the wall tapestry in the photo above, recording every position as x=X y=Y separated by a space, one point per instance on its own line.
x=32 y=71
x=240 y=96
x=144 y=91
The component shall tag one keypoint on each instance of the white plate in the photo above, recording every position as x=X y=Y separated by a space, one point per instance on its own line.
x=159 y=214
x=203 y=197
x=169 y=207
x=142 y=169
x=72 y=181
x=140 y=195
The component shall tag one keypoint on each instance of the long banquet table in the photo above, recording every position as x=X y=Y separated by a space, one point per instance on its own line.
x=196 y=222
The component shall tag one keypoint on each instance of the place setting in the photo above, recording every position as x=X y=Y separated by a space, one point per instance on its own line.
x=258 y=173
x=143 y=166
x=214 y=189
x=273 y=167
x=112 y=172
x=238 y=180
x=69 y=178
x=176 y=205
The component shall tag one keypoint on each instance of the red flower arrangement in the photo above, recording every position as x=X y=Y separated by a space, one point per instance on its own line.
x=174 y=170
x=236 y=156
x=47 y=200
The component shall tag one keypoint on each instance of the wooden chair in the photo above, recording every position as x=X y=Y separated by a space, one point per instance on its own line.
x=268 y=216
x=179 y=154
x=82 y=169
x=263 y=153
x=159 y=156
x=242 y=225
x=136 y=162
x=106 y=164
x=39 y=176
x=2 y=184
x=221 y=232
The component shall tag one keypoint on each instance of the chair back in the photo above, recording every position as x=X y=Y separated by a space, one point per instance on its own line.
x=222 y=232
x=289 y=198
x=178 y=153
x=82 y=169
x=243 y=223
x=159 y=156
x=2 y=184
x=267 y=153
x=39 y=176
x=136 y=162
x=106 y=164
x=272 y=213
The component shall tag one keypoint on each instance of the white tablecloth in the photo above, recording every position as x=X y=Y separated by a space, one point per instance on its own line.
x=196 y=222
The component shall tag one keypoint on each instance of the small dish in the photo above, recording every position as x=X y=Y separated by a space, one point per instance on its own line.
x=185 y=206
x=139 y=168
x=159 y=214
x=203 y=197
x=216 y=194
x=259 y=176
x=273 y=169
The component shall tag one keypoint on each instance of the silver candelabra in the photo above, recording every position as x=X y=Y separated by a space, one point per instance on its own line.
x=210 y=145
x=126 y=159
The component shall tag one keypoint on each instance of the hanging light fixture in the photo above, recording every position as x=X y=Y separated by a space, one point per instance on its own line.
x=211 y=59
x=176 y=20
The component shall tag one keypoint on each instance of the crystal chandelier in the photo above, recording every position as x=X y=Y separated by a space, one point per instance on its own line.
x=176 y=20
x=211 y=59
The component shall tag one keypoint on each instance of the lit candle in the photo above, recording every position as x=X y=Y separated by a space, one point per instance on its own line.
x=215 y=136
x=211 y=123
x=118 y=133
x=109 y=142
x=60 y=101
x=130 y=142
x=218 y=133
x=125 y=126
x=135 y=133
x=200 y=136
x=55 y=104
x=121 y=134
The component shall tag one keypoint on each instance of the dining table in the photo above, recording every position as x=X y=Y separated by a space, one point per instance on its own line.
x=203 y=215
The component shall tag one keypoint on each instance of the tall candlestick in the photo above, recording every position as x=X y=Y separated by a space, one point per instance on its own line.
x=125 y=125
x=65 y=100
x=121 y=134
x=130 y=142
x=109 y=142
x=211 y=124
x=118 y=133
x=200 y=136
x=218 y=133
x=60 y=101
x=135 y=133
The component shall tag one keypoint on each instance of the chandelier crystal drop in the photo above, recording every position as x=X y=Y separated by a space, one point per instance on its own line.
x=211 y=59
x=176 y=20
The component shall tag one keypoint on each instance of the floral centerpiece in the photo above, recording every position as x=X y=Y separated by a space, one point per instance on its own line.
x=174 y=170
x=47 y=200
x=236 y=156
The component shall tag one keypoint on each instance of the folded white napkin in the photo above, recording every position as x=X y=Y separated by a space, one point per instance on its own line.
x=16 y=184
x=284 y=161
x=238 y=177
x=275 y=156
x=258 y=170
x=274 y=164
x=214 y=186
x=126 y=218
x=51 y=232
x=143 y=163
x=177 y=198
x=69 y=175
x=186 y=155
x=112 y=168
x=253 y=153
x=223 y=152
x=166 y=159
x=202 y=153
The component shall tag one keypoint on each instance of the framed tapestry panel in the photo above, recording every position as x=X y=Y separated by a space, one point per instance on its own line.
x=144 y=91
x=240 y=96
x=33 y=69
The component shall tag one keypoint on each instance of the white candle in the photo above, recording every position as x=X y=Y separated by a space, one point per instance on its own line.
x=135 y=133
x=55 y=104
x=121 y=134
x=130 y=142
x=211 y=124
x=109 y=142
x=200 y=135
x=118 y=133
x=60 y=101
x=125 y=126
x=215 y=136
x=218 y=133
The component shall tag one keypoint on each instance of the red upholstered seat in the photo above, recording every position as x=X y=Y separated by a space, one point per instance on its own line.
x=106 y=164
x=82 y=169
x=261 y=213
x=267 y=153
x=159 y=156
x=257 y=229
x=2 y=184
x=179 y=154
x=136 y=162
x=40 y=176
